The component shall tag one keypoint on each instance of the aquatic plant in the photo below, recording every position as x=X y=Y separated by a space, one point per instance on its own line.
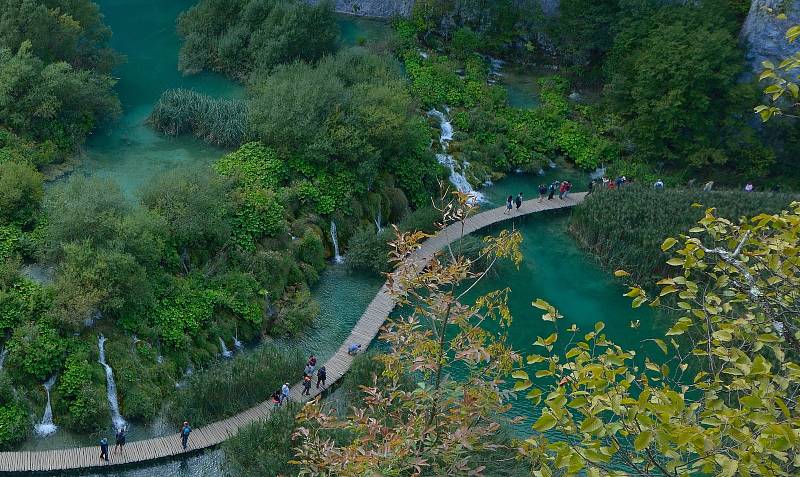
x=231 y=386
x=625 y=227
x=222 y=122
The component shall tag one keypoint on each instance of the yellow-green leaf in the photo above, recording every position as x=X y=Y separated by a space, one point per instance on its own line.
x=643 y=440
x=546 y=422
x=668 y=243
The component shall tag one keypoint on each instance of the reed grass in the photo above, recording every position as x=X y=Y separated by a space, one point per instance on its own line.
x=221 y=122
x=625 y=228
x=231 y=386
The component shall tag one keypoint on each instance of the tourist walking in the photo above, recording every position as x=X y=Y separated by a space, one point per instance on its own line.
x=312 y=360
x=185 y=431
x=552 y=190
x=120 y=440
x=509 y=204
x=104 y=449
x=518 y=201
x=567 y=188
x=309 y=370
x=590 y=187
x=284 y=392
x=562 y=189
x=276 y=398
x=542 y=192
x=354 y=349
x=659 y=184
x=306 y=385
x=321 y=375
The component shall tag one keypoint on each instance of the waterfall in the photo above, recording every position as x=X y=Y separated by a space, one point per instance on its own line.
x=46 y=426
x=236 y=343
x=3 y=357
x=495 y=69
x=337 y=258
x=458 y=179
x=111 y=387
x=226 y=353
x=378 y=221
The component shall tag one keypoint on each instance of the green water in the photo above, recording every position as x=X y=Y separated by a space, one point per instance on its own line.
x=522 y=88
x=357 y=30
x=128 y=151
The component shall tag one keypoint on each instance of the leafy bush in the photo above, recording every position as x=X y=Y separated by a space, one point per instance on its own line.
x=35 y=352
x=228 y=387
x=254 y=165
x=14 y=418
x=625 y=227
x=369 y=251
x=297 y=310
x=79 y=396
x=21 y=190
x=222 y=122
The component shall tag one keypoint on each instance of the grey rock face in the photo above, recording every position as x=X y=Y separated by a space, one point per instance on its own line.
x=763 y=33
x=373 y=8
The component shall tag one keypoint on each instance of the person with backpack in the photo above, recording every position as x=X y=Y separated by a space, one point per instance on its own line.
x=185 y=431
x=552 y=190
x=120 y=440
x=321 y=375
x=306 y=385
x=284 y=392
x=509 y=204
x=104 y=449
x=276 y=398
x=542 y=192
x=518 y=201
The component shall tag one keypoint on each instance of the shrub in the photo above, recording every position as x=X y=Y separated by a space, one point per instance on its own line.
x=35 y=352
x=21 y=189
x=228 y=387
x=265 y=447
x=368 y=251
x=298 y=310
x=14 y=418
x=222 y=122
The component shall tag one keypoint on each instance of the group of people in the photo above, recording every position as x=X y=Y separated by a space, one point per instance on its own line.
x=120 y=438
x=562 y=187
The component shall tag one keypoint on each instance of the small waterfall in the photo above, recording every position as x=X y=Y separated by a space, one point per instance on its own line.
x=46 y=426
x=337 y=258
x=3 y=355
x=379 y=221
x=495 y=69
x=226 y=353
x=458 y=179
x=598 y=173
x=111 y=387
x=236 y=343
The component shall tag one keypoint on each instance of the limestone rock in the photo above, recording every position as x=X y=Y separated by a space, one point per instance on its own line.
x=763 y=33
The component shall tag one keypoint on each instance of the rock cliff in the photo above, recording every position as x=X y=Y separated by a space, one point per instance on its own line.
x=763 y=33
x=373 y=8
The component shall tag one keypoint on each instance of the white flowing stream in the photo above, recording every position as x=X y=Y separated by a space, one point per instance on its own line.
x=337 y=257
x=111 y=388
x=457 y=178
x=46 y=426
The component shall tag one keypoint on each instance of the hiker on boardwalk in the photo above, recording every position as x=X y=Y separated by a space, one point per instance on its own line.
x=276 y=398
x=312 y=360
x=354 y=349
x=120 y=440
x=309 y=370
x=284 y=392
x=567 y=188
x=518 y=201
x=542 y=192
x=509 y=204
x=306 y=385
x=185 y=431
x=104 y=449
x=321 y=375
x=552 y=190
x=590 y=186
x=562 y=189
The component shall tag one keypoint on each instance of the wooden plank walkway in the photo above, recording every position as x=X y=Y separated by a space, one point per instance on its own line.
x=365 y=330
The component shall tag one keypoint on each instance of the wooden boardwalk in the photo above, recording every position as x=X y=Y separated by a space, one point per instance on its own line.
x=365 y=330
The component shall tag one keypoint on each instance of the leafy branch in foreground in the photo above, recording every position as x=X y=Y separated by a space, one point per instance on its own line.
x=440 y=426
x=724 y=400
x=783 y=89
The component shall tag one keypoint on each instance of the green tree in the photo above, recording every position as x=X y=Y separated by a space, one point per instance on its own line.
x=720 y=402
x=21 y=190
x=35 y=352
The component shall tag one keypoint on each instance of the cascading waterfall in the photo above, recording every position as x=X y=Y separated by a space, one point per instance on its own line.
x=236 y=343
x=337 y=258
x=226 y=353
x=46 y=426
x=458 y=179
x=495 y=69
x=3 y=355
x=111 y=387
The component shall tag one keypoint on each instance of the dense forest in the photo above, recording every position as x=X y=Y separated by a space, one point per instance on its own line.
x=324 y=137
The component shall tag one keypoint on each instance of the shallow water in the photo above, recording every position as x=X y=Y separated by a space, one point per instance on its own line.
x=128 y=151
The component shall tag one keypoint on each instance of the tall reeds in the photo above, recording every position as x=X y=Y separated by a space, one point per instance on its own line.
x=624 y=228
x=222 y=122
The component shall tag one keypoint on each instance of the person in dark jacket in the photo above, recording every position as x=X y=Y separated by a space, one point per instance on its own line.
x=185 y=431
x=321 y=375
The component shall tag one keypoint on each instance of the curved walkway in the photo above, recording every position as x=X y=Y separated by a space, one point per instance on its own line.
x=214 y=434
